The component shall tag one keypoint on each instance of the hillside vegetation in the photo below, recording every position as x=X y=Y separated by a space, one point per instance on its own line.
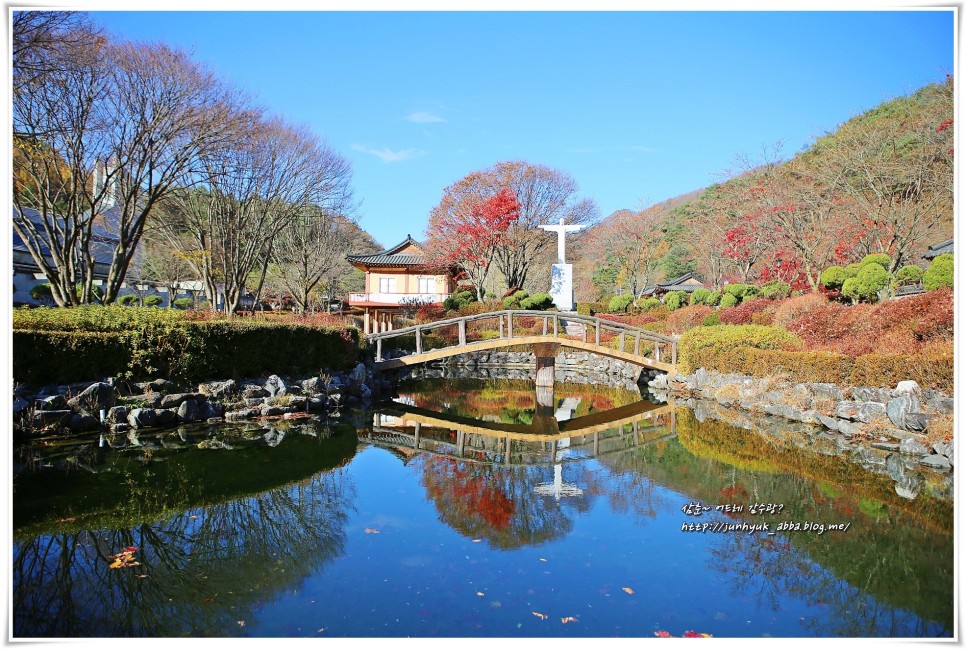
x=882 y=182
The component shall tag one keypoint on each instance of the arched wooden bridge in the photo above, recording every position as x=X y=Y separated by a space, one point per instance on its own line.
x=472 y=333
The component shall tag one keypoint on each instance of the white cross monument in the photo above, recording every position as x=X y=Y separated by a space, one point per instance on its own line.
x=561 y=273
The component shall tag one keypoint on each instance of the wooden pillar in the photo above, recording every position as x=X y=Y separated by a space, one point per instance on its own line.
x=546 y=358
x=366 y=324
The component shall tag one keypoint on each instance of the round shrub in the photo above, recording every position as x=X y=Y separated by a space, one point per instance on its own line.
x=774 y=290
x=619 y=303
x=513 y=300
x=458 y=300
x=537 y=302
x=183 y=303
x=907 y=275
x=41 y=292
x=674 y=300
x=745 y=312
x=728 y=300
x=871 y=279
x=712 y=320
x=738 y=290
x=647 y=303
x=153 y=300
x=879 y=258
x=793 y=308
x=127 y=300
x=833 y=277
x=700 y=296
x=714 y=298
x=939 y=273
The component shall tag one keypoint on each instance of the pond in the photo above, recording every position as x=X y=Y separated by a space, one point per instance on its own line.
x=470 y=510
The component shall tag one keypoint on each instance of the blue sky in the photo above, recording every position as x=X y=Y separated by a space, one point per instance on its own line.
x=637 y=107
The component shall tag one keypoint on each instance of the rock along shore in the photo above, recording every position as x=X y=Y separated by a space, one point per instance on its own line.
x=893 y=421
x=121 y=405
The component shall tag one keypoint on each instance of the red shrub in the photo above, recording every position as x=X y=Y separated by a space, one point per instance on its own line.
x=687 y=317
x=793 y=307
x=743 y=313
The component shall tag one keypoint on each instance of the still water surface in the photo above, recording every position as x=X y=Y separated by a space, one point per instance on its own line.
x=442 y=515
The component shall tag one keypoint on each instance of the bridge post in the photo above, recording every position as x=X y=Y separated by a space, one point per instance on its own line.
x=546 y=358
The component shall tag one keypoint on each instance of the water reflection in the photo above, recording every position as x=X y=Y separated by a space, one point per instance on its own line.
x=889 y=573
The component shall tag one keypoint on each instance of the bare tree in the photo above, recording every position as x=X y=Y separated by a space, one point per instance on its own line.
x=634 y=241
x=102 y=133
x=251 y=192
x=310 y=251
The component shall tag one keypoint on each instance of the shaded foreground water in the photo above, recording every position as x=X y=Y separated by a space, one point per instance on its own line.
x=443 y=515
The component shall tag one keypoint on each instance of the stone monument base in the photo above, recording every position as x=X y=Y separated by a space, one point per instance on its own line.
x=562 y=286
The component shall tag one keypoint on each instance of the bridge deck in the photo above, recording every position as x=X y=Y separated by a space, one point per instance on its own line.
x=455 y=336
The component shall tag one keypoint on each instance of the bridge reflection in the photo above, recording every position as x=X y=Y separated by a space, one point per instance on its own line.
x=407 y=429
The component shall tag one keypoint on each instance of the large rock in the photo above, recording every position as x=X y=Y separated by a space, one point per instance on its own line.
x=275 y=386
x=218 y=389
x=937 y=462
x=912 y=446
x=358 y=375
x=871 y=411
x=45 y=418
x=917 y=421
x=907 y=387
x=900 y=406
x=199 y=410
x=177 y=398
x=80 y=421
x=97 y=397
x=254 y=392
x=142 y=417
x=56 y=402
x=313 y=385
x=847 y=410
x=116 y=414
x=159 y=385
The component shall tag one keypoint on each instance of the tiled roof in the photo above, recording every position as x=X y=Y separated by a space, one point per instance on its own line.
x=939 y=249
x=388 y=257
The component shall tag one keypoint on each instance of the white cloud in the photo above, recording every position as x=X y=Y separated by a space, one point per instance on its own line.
x=420 y=117
x=388 y=155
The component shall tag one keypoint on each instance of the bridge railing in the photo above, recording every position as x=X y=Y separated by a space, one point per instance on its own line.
x=512 y=323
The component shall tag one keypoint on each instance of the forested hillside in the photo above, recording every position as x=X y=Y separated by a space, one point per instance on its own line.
x=880 y=183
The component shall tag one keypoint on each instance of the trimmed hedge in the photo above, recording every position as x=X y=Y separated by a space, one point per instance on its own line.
x=709 y=347
x=184 y=351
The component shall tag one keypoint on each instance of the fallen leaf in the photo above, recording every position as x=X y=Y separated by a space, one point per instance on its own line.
x=540 y=615
x=629 y=591
x=662 y=634
x=567 y=620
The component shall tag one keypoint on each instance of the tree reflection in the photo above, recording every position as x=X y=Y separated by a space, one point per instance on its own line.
x=201 y=571
x=496 y=503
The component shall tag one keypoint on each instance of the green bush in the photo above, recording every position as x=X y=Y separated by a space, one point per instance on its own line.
x=714 y=298
x=619 y=303
x=702 y=346
x=700 y=296
x=737 y=290
x=775 y=290
x=41 y=292
x=584 y=308
x=907 y=275
x=939 y=273
x=513 y=301
x=728 y=300
x=647 y=303
x=458 y=300
x=879 y=258
x=153 y=300
x=833 y=277
x=127 y=300
x=537 y=302
x=183 y=303
x=712 y=320
x=176 y=349
x=871 y=279
x=675 y=300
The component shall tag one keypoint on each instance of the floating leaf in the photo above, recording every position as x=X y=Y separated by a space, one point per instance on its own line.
x=542 y=559
x=539 y=615
x=479 y=594
x=567 y=620
x=662 y=634
x=124 y=559
x=629 y=591
x=369 y=530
